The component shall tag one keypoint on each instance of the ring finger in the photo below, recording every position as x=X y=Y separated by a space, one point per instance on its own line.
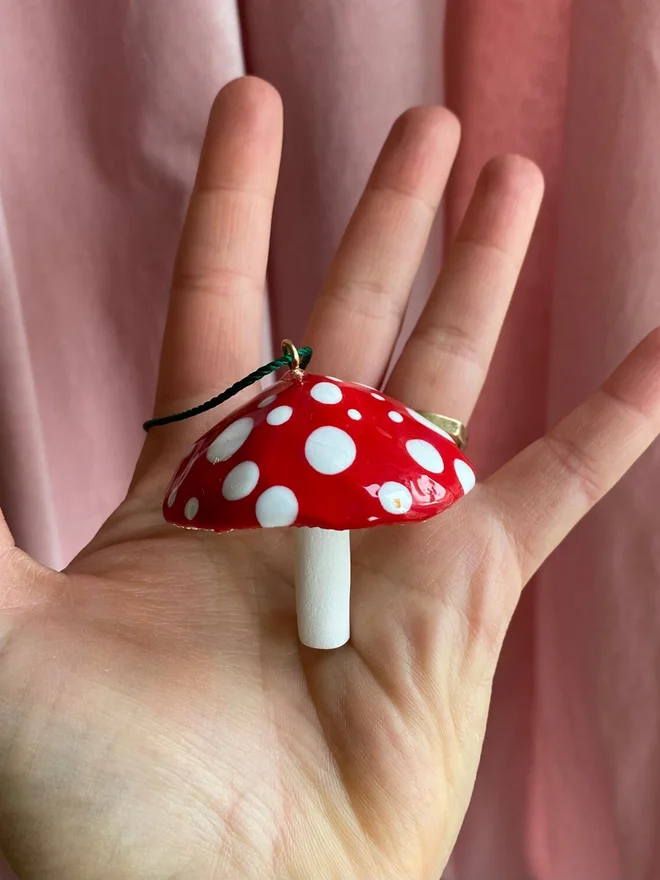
x=359 y=311
x=444 y=363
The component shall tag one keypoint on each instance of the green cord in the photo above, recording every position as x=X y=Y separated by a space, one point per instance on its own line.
x=286 y=360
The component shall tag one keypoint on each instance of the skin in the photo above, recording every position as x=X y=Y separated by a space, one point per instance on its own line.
x=158 y=717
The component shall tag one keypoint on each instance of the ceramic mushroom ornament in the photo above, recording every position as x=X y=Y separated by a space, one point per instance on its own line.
x=326 y=456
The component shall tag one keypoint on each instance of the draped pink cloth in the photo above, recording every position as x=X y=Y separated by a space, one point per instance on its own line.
x=102 y=111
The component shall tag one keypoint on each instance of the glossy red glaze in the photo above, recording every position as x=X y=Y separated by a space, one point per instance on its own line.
x=389 y=480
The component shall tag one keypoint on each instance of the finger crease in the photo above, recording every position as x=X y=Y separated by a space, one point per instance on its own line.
x=490 y=249
x=453 y=340
x=218 y=283
x=630 y=409
x=578 y=464
x=384 y=305
x=219 y=189
x=402 y=193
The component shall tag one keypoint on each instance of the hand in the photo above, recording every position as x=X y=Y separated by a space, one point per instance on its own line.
x=158 y=717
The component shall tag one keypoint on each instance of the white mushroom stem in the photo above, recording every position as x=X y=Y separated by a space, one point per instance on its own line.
x=323 y=587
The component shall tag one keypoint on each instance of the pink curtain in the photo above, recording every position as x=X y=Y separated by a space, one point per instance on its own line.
x=102 y=111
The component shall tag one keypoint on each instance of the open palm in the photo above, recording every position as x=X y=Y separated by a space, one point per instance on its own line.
x=158 y=716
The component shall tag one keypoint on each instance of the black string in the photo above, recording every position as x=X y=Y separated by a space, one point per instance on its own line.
x=286 y=360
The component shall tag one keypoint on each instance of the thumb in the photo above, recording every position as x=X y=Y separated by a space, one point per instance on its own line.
x=22 y=580
x=6 y=538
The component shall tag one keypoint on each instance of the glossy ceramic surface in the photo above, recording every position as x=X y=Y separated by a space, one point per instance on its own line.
x=318 y=452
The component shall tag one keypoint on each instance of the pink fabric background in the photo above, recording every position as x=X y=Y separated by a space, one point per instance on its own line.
x=102 y=110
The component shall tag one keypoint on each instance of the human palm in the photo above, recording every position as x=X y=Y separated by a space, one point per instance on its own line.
x=158 y=716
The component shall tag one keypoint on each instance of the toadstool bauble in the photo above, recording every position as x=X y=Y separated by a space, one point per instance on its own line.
x=326 y=456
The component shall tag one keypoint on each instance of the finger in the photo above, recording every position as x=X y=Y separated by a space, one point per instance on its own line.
x=25 y=584
x=444 y=363
x=214 y=324
x=6 y=538
x=358 y=314
x=542 y=493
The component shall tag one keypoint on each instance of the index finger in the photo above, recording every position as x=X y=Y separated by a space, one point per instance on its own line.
x=214 y=323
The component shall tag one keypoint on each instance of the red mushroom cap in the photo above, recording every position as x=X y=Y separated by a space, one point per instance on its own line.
x=318 y=452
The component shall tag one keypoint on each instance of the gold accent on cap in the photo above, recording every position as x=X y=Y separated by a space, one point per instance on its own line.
x=456 y=429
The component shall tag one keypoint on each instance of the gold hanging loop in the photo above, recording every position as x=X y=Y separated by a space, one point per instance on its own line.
x=288 y=348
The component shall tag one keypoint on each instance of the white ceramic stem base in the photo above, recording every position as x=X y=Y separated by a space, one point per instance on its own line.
x=323 y=587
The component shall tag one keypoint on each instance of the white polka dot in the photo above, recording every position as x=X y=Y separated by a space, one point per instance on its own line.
x=330 y=450
x=395 y=416
x=326 y=392
x=355 y=415
x=465 y=475
x=425 y=455
x=191 y=508
x=230 y=440
x=240 y=481
x=277 y=506
x=267 y=401
x=172 y=498
x=279 y=415
x=377 y=396
x=430 y=425
x=395 y=498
